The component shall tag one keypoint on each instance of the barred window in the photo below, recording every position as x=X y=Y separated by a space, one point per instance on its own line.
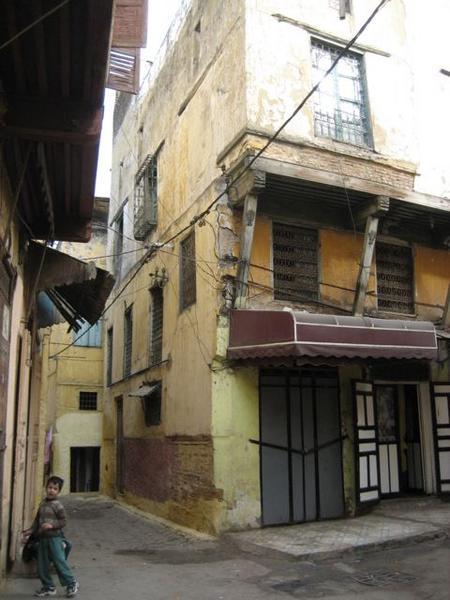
x=395 y=283
x=109 y=356
x=188 y=283
x=146 y=198
x=295 y=263
x=340 y=105
x=127 y=341
x=152 y=405
x=88 y=400
x=156 y=325
x=118 y=246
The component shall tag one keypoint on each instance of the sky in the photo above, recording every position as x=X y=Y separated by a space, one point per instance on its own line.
x=160 y=15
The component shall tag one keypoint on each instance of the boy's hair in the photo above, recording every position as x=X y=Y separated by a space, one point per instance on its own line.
x=56 y=481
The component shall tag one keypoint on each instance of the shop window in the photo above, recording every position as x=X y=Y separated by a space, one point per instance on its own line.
x=295 y=263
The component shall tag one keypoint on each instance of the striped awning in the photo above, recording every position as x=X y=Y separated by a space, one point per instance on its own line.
x=256 y=334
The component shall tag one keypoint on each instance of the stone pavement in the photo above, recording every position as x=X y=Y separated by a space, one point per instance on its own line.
x=392 y=522
x=120 y=554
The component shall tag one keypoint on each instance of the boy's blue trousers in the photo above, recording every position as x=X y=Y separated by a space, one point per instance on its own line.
x=51 y=550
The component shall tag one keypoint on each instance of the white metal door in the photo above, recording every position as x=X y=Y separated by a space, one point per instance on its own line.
x=441 y=418
x=367 y=478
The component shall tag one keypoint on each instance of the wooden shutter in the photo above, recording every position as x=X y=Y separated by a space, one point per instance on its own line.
x=130 y=24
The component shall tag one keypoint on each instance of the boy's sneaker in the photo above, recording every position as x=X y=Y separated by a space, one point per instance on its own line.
x=44 y=592
x=72 y=589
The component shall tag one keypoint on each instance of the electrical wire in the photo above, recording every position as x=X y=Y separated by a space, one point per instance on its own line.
x=156 y=246
x=33 y=24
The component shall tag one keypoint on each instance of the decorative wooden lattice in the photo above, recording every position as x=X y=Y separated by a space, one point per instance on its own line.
x=395 y=289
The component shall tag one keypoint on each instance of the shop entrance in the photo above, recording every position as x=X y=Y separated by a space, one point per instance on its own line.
x=300 y=446
x=399 y=443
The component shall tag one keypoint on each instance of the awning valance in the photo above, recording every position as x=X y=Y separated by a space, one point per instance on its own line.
x=256 y=334
x=78 y=289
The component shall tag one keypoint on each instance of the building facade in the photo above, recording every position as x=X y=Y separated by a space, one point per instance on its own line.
x=277 y=351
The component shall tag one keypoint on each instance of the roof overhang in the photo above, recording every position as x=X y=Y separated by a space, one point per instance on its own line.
x=79 y=290
x=260 y=334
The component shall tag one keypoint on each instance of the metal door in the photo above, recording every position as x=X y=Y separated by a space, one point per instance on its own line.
x=366 y=452
x=441 y=426
x=301 y=446
x=388 y=439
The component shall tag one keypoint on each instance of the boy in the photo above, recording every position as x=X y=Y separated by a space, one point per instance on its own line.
x=49 y=521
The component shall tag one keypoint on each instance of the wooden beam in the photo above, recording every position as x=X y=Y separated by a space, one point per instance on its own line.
x=379 y=207
x=247 y=230
x=38 y=120
x=446 y=313
x=67 y=229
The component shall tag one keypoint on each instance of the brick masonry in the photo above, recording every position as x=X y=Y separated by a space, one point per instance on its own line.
x=176 y=468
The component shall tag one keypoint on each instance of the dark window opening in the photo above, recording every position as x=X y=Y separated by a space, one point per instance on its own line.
x=188 y=281
x=395 y=288
x=152 y=406
x=118 y=246
x=88 y=401
x=295 y=263
x=340 y=104
x=156 y=320
x=127 y=341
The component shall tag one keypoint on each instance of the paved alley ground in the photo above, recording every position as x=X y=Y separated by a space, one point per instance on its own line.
x=119 y=554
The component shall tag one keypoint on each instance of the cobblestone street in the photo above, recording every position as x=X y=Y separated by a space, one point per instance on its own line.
x=119 y=554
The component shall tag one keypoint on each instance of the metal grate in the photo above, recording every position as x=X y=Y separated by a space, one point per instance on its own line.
x=295 y=263
x=127 y=341
x=188 y=281
x=156 y=298
x=88 y=401
x=146 y=198
x=152 y=406
x=340 y=106
x=395 y=289
x=109 y=342
x=383 y=578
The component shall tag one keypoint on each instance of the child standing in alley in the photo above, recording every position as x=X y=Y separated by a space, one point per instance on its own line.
x=48 y=524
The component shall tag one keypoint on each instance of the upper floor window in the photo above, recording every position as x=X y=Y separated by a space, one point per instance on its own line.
x=146 y=198
x=295 y=263
x=340 y=106
x=188 y=282
x=127 y=341
x=88 y=400
x=89 y=335
x=156 y=325
x=109 y=355
x=118 y=245
x=395 y=283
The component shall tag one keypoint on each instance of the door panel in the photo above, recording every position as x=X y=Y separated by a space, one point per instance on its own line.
x=275 y=486
x=367 y=480
x=441 y=426
x=388 y=438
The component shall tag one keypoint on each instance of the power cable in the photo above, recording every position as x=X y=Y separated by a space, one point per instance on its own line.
x=157 y=245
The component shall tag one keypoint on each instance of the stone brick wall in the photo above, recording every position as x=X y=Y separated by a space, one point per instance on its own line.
x=175 y=468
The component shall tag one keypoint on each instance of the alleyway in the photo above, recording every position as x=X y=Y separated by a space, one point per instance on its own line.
x=121 y=555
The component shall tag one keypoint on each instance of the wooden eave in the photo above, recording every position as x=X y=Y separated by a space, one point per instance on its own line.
x=52 y=81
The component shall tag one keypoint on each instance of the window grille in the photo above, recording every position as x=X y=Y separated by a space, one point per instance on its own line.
x=109 y=343
x=295 y=263
x=88 y=400
x=146 y=198
x=127 y=341
x=340 y=105
x=152 y=406
x=118 y=245
x=188 y=282
x=395 y=288
x=89 y=335
x=156 y=320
